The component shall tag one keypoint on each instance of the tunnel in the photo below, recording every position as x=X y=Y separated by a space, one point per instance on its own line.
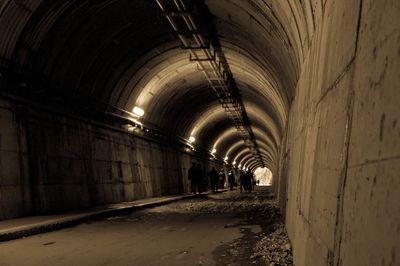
x=111 y=101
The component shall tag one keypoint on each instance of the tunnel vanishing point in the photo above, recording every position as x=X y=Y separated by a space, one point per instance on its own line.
x=106 y=101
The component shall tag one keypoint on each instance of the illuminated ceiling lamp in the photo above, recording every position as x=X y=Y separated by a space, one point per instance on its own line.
x=138 y=111
x=214 y=150
x=192 y=139
x=234 y=162
x=226 y=158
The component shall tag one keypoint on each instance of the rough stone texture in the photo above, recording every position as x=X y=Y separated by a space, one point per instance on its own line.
x=51 y=163
x=343 y=139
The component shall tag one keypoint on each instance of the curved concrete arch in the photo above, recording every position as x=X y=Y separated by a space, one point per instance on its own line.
x=245 y=158
x=119 y=70
x=318 y=79
x=242 y=153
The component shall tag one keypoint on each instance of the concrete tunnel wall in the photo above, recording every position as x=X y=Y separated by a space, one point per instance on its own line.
x=53 y=163
x=337 y=172
x=340 y=159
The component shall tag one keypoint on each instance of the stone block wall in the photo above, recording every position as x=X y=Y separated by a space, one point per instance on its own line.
x=52 y=163
x=342 y=151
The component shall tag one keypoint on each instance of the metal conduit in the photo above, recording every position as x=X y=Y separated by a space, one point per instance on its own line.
x=204 y=49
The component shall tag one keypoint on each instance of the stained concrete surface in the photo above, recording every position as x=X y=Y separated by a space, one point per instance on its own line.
x=217 y=229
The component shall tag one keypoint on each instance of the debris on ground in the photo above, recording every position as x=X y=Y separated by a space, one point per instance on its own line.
x=274 y=248
x=271 y=247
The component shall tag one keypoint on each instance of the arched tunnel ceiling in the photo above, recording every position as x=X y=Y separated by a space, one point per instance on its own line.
x=124 y=53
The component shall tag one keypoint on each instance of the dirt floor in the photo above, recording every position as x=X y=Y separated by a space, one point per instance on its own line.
x=218 y=229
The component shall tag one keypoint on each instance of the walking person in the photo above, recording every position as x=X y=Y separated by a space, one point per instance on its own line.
x=214 y=179
x=231 y=180
x=221 y=178
x=242 y=180
x=200 y=178
x=249 y=180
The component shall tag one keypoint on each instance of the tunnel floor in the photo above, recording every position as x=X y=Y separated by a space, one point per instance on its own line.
x=229 y=228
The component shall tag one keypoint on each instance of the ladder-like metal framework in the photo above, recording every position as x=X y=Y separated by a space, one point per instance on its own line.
x=199 y=38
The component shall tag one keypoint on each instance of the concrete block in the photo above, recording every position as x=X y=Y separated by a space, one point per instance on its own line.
x=49 y=198
x=7 y=124
x=376 y=117
x=139 y=190
x=117 y=193
x=10 y=173
x=65 y=170
x=102 y=171
x=299 y=237
x=307 y=163
x=371 y=214
x=75 y=196
x=108 y=193
x=140 y=156
x=9 y=142
x=338 y=39
x=6 y=113
x=317 y=253
x=102 y=149
x=127 y=173
x=13 y=202
x=99 y=194
x=129 y=192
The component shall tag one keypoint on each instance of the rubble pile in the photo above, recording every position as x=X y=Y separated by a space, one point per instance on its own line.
x=270 y=247
x=241 y=204
x=275 y=247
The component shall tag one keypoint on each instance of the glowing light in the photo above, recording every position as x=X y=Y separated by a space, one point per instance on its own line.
x=138 y=111
x=263 y=176
x=234 y=162
x=192 y=139
x=240 y=165
x=213 y=151
x=226 y=158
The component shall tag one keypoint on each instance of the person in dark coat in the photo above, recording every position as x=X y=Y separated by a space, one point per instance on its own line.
x=192 y=176
x=231 y=180
x=242 y=180
x=214 y=179
x=221 y=178
x=200 y=178
x=249 y=180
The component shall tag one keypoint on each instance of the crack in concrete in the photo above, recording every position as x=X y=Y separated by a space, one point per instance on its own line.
x=374 y=161
x=335 y=258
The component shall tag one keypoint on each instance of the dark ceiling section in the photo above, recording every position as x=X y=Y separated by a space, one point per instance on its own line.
x=123 y=53
x=177 y=109
x=92 y=41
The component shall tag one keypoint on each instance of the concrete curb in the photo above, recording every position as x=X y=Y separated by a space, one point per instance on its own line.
x=76 y=219
x=62 y=223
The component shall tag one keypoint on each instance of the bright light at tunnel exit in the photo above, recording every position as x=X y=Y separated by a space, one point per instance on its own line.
x=138 y=111
x=264 y=175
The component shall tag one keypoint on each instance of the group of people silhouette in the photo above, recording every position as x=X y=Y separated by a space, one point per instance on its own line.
x=200 y=179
